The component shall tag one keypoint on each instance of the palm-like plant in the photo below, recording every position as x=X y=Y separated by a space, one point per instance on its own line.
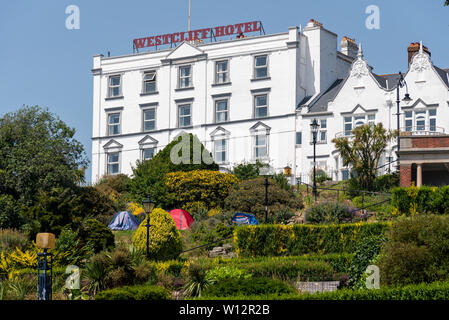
x=96 y=272
x=198 y=281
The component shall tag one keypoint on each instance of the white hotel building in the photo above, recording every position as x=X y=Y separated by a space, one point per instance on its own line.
x=254 y=98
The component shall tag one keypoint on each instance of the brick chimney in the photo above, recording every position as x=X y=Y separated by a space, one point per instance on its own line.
x=349 y=47
x=414 y=48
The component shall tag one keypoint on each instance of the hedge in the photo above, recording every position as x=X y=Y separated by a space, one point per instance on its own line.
x=424 y=199
x=433 y=291
x=135 y=293
x=277 y=240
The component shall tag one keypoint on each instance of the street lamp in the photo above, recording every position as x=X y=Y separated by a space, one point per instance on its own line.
x=265 y=171
x=148 y=206
x=401 y=83
x=314 y=127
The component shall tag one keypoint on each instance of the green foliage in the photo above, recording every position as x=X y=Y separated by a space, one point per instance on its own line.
x=147 y=292
x=164 y=238
x=11 y=239
x=148 y=176
x=96 y=272
x=321 y=176
x=417 y=250
x=74 y=251
x=97 y=235
x=434 y=291
x=367 y=250
x=276 y=240
x=198 y=281
x=247 y=170
x=375 y=203
x=412 y=200
x=330 y=212
x=54 y=210
x=249 y=196
x=249 y=286
x=10 y=212
x=198 y=188
x=227 y=273
x=38 y=152
x=363 y=151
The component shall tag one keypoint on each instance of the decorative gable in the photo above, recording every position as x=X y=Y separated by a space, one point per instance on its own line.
x=183 y=51
x=148 y=141
x=219 y=132
x=112 y=144
x=260 y=127
x=420 y=61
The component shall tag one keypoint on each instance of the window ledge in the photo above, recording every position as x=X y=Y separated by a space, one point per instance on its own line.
x=319 y=142
x=113 y=98
x=260 y=79
x=149 y=93
x=221 y=84
x=186 y=127
x=184 y=89
x=298 y=145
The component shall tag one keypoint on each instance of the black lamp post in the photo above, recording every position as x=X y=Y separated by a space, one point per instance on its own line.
x=265 y=171
x=148 y=206
x=314 y=127
x=401 y=83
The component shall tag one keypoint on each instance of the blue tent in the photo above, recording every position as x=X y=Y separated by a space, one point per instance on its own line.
x=124 y=221
x=244 y=218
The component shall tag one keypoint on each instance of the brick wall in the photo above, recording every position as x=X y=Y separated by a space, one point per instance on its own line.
x=405 y=175
x=430 y=142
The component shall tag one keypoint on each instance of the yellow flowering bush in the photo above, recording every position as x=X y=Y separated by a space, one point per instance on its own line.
x=197 y=188
x=164 y=238
x=135 y=208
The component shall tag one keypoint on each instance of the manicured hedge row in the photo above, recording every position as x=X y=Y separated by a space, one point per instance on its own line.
x=251 y=286
x=425 y=199
x=276 y=240
x=433 y=291
x=135 y=293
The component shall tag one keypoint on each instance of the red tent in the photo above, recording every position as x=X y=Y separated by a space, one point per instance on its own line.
x=182 y=218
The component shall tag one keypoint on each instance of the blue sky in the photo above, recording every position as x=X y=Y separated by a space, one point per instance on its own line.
x=43 y=63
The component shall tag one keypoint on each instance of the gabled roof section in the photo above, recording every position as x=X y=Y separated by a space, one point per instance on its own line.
x=444 y=75
x=359 y=107
x=220 y=131
x=148 y=140
x=320 y=103
x=260 y=126
x=184 y=50
x=112 y=144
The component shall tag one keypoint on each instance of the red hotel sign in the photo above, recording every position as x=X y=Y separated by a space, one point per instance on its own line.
x=197 y=34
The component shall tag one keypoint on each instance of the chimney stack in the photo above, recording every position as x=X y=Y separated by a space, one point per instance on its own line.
x=349 y=47
x=413 y=48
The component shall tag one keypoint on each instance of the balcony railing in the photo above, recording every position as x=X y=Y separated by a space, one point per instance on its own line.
x=422 y=131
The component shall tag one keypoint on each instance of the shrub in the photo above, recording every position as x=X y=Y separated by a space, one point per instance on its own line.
x=207 y=187
x=148 y=176
x=249 y=196
x=227 y=273
x=367 y=250
x=247 y=170
x=417 y=249
x=250 y=286
x=96 y=272
x=275 y=240
x=70 y=243
x=198 y=281
x=11 y=239
x=434 y=291
x=97 y=235
x=413 y=200
x=145 y=272
x=330 y=212
x=148 y=292
x=9 y=212
x=164 y=238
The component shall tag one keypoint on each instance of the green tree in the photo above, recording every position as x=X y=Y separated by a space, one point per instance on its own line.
x=363 y=150
x=37 y=152
x=247 y=170
x=446 y=3
x=148 y=176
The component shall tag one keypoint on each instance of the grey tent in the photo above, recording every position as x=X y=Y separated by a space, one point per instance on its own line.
x=124 y=221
